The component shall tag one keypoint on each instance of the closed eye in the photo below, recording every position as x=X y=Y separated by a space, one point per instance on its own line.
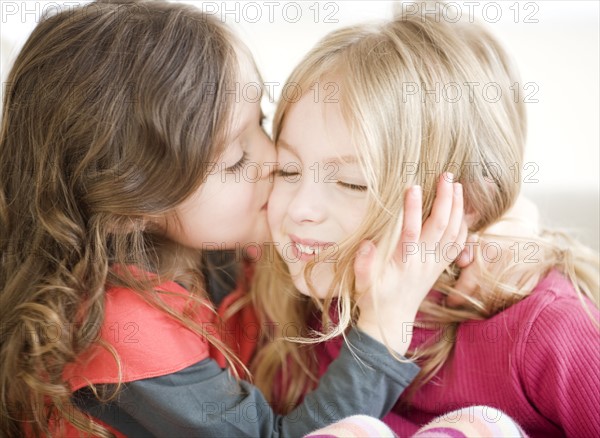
x=350 y=186
x=284 y=174
x=239 y=165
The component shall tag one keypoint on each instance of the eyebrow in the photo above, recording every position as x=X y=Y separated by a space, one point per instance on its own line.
x=344 y=159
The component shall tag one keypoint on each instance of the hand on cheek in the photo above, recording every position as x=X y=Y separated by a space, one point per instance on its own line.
x=388 y=304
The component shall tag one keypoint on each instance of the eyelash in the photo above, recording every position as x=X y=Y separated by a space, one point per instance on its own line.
x=239 y=165
x=355 y=187
x=244 y=160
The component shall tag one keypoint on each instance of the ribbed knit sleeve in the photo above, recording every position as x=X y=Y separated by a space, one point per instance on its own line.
x=560 y=365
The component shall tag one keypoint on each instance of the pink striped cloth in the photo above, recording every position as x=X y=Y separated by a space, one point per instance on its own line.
x=354 y=427
x=473 y=421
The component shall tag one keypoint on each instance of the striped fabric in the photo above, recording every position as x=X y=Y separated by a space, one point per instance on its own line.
x=473 y=421
x=354 y=427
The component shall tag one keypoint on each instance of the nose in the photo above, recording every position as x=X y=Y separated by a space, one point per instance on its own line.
x=307 y=203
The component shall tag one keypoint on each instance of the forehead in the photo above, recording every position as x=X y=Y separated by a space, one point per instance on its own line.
x=314 y=129
x=248 y=72
x=247 y=91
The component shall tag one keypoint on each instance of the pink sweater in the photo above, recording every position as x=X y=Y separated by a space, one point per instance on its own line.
x=538 y=361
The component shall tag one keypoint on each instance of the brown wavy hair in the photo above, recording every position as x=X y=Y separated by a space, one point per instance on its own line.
x=110 y=111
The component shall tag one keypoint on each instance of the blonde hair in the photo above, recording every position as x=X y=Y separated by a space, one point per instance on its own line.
x=404 y=138
x=104 y=105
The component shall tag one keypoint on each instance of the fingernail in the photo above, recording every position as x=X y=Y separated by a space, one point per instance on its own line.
x=449 y=177
x=365 y=250
x=416 y=191
x=457 y=189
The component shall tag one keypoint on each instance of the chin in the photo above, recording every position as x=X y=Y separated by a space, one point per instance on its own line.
x=302 y=287
x=300 y=284
x=321 y=280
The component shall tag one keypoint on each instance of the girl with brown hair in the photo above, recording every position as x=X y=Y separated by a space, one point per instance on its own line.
x=121 y=149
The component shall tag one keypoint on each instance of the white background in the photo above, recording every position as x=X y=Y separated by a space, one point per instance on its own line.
x=555 y=44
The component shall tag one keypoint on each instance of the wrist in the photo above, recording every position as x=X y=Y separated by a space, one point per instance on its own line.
x=396 y=336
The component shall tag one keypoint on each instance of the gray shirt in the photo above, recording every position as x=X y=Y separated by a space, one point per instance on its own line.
x=204 y=400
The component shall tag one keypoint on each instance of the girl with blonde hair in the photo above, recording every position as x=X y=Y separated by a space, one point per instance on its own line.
x=121 y=150
x=381 y=108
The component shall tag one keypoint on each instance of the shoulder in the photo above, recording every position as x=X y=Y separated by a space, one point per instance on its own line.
x=560 y=328
x=554 y=299
x=137 y=340
x=554 y=303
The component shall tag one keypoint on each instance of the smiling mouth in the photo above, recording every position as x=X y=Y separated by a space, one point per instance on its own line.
x=309 y=247
x=305 y=249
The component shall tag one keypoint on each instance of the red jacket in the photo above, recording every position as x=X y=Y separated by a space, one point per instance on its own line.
x=150 y=344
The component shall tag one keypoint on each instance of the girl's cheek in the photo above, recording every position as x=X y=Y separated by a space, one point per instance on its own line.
x=252 y=173
x=277 y=194
x=272 y=214
x=277 y=206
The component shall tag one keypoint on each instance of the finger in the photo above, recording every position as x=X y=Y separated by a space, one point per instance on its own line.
x=456 y=217
x=363 y=266
x=437 y=222
x=461 y=240
x=411 y=224
x=453 y=250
